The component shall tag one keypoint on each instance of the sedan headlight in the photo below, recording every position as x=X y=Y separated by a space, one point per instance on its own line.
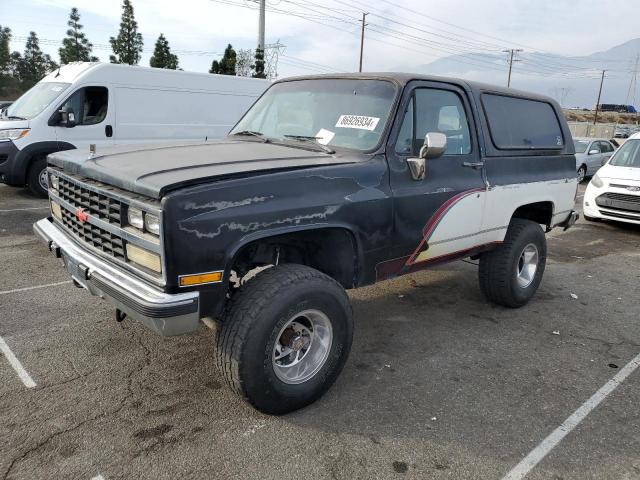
x=152 y=223
x=597 y=181
x=135 y=218
x=13 y=133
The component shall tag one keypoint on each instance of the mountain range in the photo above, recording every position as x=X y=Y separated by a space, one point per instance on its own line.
x=573 y=80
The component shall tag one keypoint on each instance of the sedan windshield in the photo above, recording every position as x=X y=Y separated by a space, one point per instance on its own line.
x=35 y=100
x=580 y=145
x=628 y=155
x=335 y=112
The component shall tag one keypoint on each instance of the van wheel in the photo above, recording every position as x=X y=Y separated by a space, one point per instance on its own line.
x=510 y=274
x=284 y=338
x=37 y=177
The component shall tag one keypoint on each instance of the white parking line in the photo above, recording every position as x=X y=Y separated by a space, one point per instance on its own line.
x=35 y=287
x=97 y=477
x=23 y=209
x=542 y=450
x=17 y=366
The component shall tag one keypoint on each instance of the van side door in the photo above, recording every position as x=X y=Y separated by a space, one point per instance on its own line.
x=439 y=216
x=93 y=118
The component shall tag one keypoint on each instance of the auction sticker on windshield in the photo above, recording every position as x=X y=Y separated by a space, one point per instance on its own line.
x=361 y=122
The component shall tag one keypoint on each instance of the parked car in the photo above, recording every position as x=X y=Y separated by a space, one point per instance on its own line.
x=3 y=106
x=327 y=183
x=614 y=192
x=591 y=153
x=622 y=132
x=103 y=104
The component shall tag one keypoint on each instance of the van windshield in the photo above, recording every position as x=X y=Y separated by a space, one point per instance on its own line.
x=35 y=100
x=628 y=155
x=348 y=113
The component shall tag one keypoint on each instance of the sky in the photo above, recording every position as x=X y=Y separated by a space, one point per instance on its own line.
x=323 y=35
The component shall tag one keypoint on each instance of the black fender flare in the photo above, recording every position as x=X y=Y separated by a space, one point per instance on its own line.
x=232 y=252
x=24 y=157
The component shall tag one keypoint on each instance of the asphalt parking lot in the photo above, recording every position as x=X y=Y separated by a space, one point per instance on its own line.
x=439 y=384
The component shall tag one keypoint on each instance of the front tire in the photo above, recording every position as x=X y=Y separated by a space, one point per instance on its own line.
x=284 y=338
x=510 y=274
x=37 y=178
x=582 y=174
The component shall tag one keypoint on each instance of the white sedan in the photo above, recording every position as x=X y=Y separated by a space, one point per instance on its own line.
x=614 y=192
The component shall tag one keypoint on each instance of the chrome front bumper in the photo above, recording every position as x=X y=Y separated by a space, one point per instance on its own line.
x=165 y=313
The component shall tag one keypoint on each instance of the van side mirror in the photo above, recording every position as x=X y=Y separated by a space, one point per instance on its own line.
x=67 y=118
x=435 y=144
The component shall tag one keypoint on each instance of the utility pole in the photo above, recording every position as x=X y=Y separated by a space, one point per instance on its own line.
x=595 y=118
x=362 y=40
x=633 y=85
x=512 y=52
x=261 y=25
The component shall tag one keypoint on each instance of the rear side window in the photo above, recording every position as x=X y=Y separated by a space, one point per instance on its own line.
x=519 y=123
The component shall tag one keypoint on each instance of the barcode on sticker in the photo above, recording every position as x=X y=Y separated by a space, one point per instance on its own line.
x=357 y=121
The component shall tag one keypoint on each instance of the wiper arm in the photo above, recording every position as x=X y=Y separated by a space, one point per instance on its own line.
x=314 y=140
x=251 y=133
x=12 y=117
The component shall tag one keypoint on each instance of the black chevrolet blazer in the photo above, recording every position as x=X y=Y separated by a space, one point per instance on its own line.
x=327 y=183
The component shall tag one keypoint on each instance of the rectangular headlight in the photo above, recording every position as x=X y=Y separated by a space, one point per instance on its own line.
x=134 y=217
x=56 y=210
x=53 y=181
x=152 y=223
x=144 y=257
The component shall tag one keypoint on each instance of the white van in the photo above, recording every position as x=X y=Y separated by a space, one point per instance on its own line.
x=105 y=104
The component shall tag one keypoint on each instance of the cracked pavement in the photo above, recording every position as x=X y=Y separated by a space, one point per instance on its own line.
x=439 y=384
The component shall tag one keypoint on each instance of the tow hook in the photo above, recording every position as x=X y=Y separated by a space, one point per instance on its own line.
x=120 y=315
x=55 y=249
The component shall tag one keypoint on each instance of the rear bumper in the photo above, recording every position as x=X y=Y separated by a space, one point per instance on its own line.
x=167 y=314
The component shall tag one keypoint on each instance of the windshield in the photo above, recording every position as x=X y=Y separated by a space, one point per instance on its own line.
x=580 y=145
x=35 y=100
x=335 y=112
x=628 y=155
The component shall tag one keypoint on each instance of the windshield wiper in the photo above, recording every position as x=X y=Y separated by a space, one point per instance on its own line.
x=314 y=140
x=13 y=117
x=251 y=133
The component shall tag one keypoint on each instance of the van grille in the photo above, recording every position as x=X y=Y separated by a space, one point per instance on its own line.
x=619 y=201
x=95 y=204
x=97 y=237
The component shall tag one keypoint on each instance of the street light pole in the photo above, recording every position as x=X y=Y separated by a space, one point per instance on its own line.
x=362 y=40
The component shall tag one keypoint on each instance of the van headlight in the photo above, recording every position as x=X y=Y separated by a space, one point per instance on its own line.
x=135 y=218
x=13 y=133
x=597 y=181
x=152 y=223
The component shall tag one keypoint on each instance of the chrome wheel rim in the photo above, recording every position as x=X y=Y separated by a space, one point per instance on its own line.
x=302 y=346
x=42 y=179
x=527 y=265
x=581 y=175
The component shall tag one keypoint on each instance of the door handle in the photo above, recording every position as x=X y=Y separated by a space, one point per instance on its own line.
x=473 y=164
x=108 y=131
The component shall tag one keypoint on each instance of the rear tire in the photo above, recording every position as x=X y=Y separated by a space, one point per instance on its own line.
x=287 y=308
x=510 y=274
x=582 y=174
x=37 y=177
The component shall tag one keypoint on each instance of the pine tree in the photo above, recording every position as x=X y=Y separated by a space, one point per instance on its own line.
x=244 y=62
x=228 y=62
x=162 y=56
x=33 y=64
x=76 y=47
x=7 y=80
x=215 y=67
x=127 y=46
x=259 y=65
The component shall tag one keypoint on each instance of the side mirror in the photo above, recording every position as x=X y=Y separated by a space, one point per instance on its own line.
x=594 y=152
x=435 y=144
x=67 y=118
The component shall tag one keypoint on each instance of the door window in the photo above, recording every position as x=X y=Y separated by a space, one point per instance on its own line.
x=605 y=147
x=435 y=111
x=595 y=146
x=89 y=105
